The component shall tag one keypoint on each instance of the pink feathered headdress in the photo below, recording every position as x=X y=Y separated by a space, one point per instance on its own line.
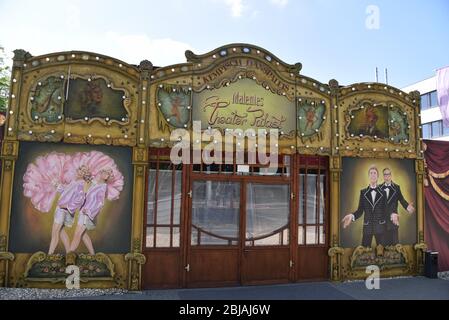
x=97 y=162
x=42 y=177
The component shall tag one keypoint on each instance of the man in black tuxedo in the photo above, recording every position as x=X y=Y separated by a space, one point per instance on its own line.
x=393 y=196
x=372 y=203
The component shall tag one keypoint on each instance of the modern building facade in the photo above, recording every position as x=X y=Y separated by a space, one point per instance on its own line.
x=431 y=118
x=89 y=179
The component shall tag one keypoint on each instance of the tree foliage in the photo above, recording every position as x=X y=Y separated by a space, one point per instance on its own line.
x=5 y=78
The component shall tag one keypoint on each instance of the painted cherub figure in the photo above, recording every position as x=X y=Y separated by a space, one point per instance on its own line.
x=310 y=118
x=175 y=106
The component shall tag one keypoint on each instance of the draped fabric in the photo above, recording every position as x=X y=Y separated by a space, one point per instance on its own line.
x=443 y=93
x=437 y=200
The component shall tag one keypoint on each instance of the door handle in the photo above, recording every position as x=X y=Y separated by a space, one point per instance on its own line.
x=291 y=263
x=187 y=267
x=189 y=193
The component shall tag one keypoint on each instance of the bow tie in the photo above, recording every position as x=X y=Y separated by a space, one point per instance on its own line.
x=373 y=189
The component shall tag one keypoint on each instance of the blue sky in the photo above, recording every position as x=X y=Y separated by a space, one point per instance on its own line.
x=329 y=37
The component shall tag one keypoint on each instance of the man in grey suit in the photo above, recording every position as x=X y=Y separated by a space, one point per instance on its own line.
x=393 y=197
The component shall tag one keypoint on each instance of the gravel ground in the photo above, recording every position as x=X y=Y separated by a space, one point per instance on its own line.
x=443 y=275
x=46 y=294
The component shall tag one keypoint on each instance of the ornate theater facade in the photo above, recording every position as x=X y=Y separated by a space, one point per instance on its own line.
x=87 y=177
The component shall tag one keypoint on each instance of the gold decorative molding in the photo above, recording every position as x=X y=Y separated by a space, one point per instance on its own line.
x=135 y=262
x=35 y=258
x=5 y=257
x=60 y=261
x=384 y=257
x=335 y=254
x=420 y=249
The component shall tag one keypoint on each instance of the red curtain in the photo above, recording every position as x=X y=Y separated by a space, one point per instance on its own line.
x=436 y=194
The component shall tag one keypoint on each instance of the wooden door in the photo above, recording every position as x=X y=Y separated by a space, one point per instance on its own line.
x=213 y=255
x=266 y=230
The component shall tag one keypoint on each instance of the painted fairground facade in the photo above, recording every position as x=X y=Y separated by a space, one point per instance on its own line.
x=88 y=179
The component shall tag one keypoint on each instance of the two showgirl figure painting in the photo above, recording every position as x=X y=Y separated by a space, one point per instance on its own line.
x=79 y=183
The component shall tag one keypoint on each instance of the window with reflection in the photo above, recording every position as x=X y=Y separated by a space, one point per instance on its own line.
x=445 y=130
x=425 y=101
x=426 y=131
x=437 y=128
x=433 y=99
x=215 y=213
x=312 y=203
x=267 y=214
x=164 y=204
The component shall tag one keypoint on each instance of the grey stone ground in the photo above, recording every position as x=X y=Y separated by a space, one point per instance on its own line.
x=414 y=288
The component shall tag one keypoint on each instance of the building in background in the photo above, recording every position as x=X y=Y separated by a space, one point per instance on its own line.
x=431 y=117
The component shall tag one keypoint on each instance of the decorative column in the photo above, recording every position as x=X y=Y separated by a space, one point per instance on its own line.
x=421 y=246
x=9 y=154
x=140 y=161
x=335 y=251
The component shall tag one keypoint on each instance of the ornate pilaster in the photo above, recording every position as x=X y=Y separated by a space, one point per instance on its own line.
x=335 y=253
x=5 y=257
x=135 y=262
x=420 y=249
x=15 y=93
x=335 y=135
x=145 y=68
x=421 y=246
x=416 y=101
x=9 y=153
x=140 y=161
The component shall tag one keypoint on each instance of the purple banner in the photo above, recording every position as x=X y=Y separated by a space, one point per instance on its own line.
x=443 y=93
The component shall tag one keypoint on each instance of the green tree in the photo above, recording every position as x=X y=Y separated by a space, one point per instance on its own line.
x=5 y=78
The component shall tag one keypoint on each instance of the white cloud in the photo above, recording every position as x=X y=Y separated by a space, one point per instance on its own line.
x=72 y=14
x=279 y=3
x=237 y=7
x=133 y=48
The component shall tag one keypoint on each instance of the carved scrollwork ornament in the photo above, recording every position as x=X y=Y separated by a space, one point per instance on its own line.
x=334 y=87
x=145 y=68
x=135 y=262
x=3 y=243
x=8 y=165
x=20 y=56
x=140 y=171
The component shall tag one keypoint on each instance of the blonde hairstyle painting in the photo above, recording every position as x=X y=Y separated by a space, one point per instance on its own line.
x=373 y=167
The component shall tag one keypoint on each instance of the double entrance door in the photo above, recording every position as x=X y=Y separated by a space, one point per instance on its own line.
x=239 y=232
x=210 y=228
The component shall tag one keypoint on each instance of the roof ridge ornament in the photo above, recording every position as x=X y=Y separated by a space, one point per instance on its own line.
x=243 y=49
x=20 y=56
